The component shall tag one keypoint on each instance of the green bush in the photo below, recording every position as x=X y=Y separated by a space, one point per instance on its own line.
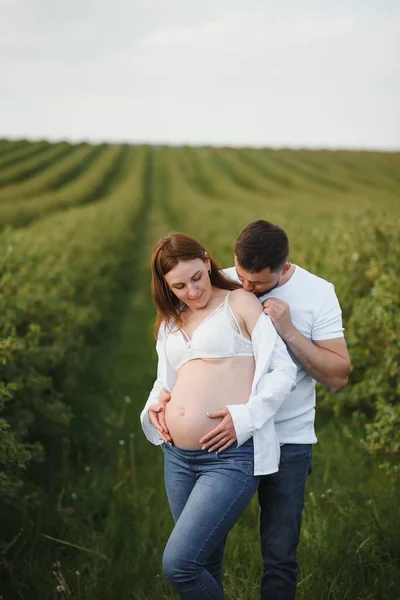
x=368 y=285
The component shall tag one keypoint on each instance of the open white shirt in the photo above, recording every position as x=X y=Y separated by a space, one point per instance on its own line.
x=274 y=379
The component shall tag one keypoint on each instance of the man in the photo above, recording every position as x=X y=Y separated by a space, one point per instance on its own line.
x=307 y=315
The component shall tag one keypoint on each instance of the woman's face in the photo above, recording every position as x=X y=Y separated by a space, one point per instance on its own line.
x=190 y=282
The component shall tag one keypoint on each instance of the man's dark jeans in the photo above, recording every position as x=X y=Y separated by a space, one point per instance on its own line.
x=281 y=498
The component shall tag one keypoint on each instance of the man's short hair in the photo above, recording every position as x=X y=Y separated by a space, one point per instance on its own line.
x=262 y=245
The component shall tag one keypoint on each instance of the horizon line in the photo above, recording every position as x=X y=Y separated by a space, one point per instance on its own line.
x=180 y=144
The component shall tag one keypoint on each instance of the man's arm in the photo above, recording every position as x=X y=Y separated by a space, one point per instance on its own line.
x=326 y=360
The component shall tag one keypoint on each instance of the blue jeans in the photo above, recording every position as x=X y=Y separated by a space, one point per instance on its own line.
x=281 y=498
x=207 y=493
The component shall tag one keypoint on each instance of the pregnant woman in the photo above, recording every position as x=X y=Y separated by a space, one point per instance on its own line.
x=216 y=349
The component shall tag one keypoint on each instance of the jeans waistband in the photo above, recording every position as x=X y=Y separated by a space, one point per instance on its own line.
x=194 y=453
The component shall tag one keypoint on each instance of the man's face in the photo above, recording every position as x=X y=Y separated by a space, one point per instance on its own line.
x=259 y=283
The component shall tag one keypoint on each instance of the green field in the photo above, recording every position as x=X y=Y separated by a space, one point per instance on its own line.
x=83 y=513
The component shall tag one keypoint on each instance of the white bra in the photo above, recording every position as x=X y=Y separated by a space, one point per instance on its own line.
x=217 y=336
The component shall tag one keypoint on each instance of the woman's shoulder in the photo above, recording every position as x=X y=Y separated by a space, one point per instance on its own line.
x=242 y=300
x=240 y=295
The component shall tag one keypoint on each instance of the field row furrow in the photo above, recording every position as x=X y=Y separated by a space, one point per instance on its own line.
x=338 y=167
x=214 y=177
x=264 y=168
x=18 y=155
x=7 y=146
x=192 y=172
x=63 y=169
x=15 y=176
x=101 y=173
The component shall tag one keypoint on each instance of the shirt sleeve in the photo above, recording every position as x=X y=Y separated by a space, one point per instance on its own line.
x=273 y=388
x=231 y=273
x=149 y=430
x=328 y=324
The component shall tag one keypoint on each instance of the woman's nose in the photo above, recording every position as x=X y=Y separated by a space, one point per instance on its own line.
x=192 y=291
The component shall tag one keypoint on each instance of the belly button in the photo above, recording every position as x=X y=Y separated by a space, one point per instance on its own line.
x=182 y=412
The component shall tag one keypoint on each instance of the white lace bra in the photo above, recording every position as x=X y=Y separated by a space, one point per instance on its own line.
x=217 y=336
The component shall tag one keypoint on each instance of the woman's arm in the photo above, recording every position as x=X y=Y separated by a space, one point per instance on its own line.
x=152 y=416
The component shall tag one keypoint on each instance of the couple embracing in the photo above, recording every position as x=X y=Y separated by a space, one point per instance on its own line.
x=233 y=405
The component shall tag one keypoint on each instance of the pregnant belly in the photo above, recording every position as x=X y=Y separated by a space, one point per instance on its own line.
x=206 y=386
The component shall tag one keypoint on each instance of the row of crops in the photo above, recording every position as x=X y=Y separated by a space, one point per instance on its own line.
x=70 y=212
x=57 y=280
x=77 y=224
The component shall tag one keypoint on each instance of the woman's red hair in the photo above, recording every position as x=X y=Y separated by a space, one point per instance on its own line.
x=170 y=250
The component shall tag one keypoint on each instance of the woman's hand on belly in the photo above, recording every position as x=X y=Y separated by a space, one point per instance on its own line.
x=157 y=419
x=222 y=436
x=187 y=422
x=163 y=397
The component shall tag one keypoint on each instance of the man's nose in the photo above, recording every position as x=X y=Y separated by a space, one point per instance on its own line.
x=247 y=286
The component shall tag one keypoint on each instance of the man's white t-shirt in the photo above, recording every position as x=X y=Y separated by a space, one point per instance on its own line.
x=316 y=313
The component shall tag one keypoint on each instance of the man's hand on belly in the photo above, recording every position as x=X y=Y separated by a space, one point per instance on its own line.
x=222 y=436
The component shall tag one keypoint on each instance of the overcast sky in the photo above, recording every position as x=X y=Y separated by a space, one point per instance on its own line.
x=310 y=73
